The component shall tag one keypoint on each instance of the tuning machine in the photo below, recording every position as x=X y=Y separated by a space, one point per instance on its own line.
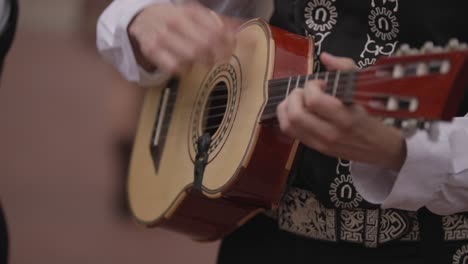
x=454 y=45
x=409 y=127
x=405 y=50
x=430 y=48
x=432 y=129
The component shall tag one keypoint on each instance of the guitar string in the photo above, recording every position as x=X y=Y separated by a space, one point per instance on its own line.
x=264 y=116
x=278 y=85
x=276 y=100
x=273 y=103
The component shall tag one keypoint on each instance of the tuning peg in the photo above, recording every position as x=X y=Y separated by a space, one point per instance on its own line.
x=409 y=127
x=429 y=47
x=438 y=49
x=415 y=51
x=453 y=44
x=403 y=50
x=406 y=50
x=463 y=46
x=432 y=129
x=389 y=121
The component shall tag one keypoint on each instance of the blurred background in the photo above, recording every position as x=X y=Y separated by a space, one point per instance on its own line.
x=66 y=124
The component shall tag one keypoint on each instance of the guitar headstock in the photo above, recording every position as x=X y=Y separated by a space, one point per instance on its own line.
x=414 y=88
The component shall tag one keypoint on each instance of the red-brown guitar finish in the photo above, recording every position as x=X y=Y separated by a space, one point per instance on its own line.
x=206 y=219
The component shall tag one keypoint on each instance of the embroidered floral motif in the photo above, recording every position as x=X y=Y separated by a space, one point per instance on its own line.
x=343 y=194
x=352 y=225
x=320 y=15
x=302 y=214
x=455 y=227
x=384 y=29
x=393 y=225
x=383 y=24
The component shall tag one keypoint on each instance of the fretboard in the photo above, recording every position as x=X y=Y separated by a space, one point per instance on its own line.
x=339 y=84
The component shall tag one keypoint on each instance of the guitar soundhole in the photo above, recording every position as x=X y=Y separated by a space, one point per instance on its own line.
x=215 y=108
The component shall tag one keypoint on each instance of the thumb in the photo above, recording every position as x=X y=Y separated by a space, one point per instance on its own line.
x=337 y=63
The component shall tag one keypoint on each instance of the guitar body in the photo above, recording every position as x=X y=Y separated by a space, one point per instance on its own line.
x=249 y=159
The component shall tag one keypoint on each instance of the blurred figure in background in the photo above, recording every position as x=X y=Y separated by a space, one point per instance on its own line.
x=8 y=18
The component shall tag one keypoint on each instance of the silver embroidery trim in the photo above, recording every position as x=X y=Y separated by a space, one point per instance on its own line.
x=301 y=213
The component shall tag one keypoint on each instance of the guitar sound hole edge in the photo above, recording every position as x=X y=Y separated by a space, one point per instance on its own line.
x=215 y=109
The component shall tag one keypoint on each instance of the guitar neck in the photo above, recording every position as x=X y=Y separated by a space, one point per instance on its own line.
x=416 y=88
x=340 y=84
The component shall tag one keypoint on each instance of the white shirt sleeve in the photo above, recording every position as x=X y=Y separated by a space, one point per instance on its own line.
x=114 y=44
x=435 y=174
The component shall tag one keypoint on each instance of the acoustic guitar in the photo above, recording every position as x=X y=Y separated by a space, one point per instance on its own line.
x=208 y=154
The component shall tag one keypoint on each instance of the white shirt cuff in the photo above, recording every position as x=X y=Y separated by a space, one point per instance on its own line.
x=155 y=78
x=425 y=170
x=114 y=44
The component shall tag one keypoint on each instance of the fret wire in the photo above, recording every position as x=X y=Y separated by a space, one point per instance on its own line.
x=297 y=81
x=284 y=81
x=341 y=89
x=335 y=85
x=273 y=114
x=341 y=85
x=275 y=99
x=370 y=70
x=326 y=75
x=362 y=80
x=362 y=73
x=289 y=85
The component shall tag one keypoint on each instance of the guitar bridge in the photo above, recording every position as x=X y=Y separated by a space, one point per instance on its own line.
x=161 y=127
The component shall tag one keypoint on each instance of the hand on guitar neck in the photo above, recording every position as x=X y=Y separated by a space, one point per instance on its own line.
x=325 y=124
x=171 y=37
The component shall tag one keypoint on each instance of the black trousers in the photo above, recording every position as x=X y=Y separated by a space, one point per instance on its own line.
x=260 y=241
x=3 y=239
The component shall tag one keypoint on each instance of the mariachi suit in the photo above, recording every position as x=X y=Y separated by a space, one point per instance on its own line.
x=333 y=223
